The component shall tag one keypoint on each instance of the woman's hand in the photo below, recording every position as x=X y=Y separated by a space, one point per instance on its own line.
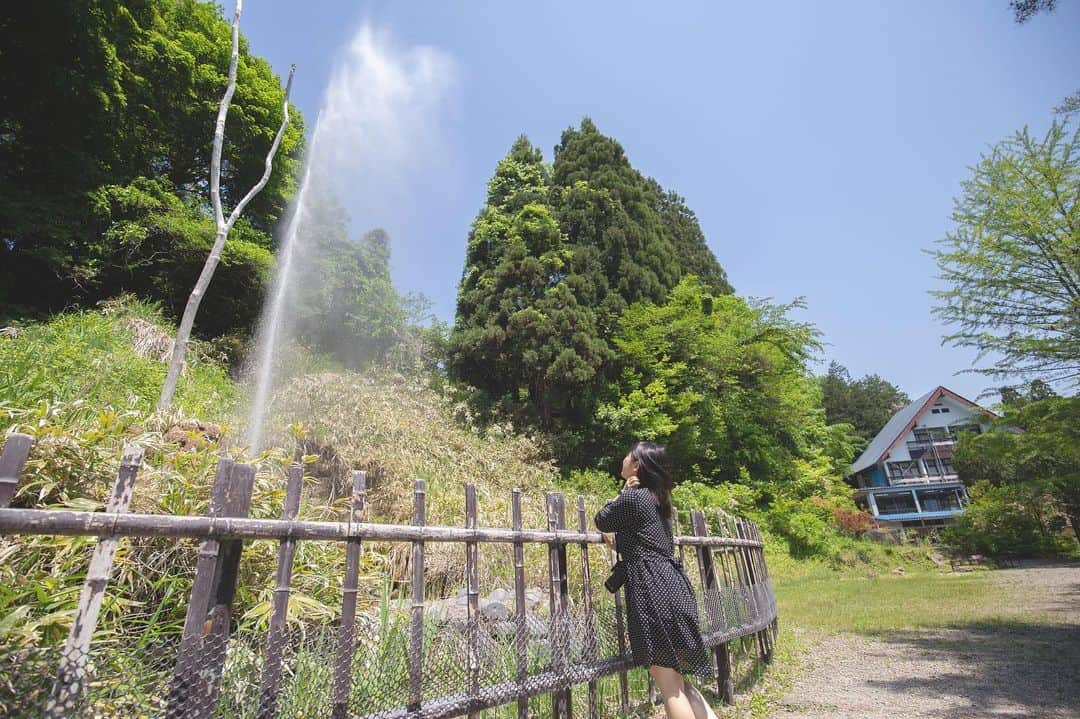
x=632 y=483
x=609 y=538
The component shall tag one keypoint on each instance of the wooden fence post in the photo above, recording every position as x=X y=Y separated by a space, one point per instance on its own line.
x=521 y=660
x=347 y=631
x=16 y=450
x=586 y=589
x=416 y=635
x=560 y=699
x=620 y=633
x=275 y=639
x=194 y=690
x=72 y=670
x=473 y=602
x=751 y=575
x=725 y=686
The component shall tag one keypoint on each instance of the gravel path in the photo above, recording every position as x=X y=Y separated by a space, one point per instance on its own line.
x=1022 y=669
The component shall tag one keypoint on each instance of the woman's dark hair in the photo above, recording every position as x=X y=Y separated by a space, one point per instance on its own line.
x=654 y=473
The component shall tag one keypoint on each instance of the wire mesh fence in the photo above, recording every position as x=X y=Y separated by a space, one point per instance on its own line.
x=163 y=634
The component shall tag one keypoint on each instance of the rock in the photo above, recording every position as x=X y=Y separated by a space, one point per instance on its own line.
x=498 y=595
x=504 y=630
x=937 y=559
x=495 y=611
x=899 y=571
x=533 y=597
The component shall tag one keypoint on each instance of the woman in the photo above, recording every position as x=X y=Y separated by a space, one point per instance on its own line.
x=661 y=609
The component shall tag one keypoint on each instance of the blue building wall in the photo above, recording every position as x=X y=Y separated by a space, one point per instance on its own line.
x=877 y=477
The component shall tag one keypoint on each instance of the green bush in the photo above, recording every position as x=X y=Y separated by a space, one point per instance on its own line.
x=91 y=358
x=1008 y=520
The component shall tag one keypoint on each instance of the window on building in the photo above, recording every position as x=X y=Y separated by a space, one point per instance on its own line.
x=933 y=469
x=939 y=500
x=904 y=470
x=895 y=503
x=947 y=469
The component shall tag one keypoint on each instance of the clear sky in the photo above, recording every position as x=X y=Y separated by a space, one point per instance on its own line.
x=820 y=144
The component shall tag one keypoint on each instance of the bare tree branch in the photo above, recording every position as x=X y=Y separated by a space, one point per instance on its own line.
x=183 y=333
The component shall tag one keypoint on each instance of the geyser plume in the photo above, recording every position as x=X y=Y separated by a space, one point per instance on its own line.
x=379 y=120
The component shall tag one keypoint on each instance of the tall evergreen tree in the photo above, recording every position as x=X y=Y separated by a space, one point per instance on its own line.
x=866 y=403
x=526 y=334
x=605 y=203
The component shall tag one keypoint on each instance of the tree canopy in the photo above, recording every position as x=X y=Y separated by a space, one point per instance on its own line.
x=1013 y=261
x=866 y=404
x=106 y=107
x=553 y=260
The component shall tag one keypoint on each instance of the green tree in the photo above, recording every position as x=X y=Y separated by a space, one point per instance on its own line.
x=721 y=382
x=153 y=244
x=1013 y=261
x=866 y=404
x=1036 y=447
x=525 y=335
x=100 y=93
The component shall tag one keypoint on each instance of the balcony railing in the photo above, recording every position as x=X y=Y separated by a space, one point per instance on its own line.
x=904 y=481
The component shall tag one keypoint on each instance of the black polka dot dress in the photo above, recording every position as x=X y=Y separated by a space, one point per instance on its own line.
x=661 y=610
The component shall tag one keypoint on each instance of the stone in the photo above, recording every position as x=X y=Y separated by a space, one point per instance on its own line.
x=534 y=597
x=495 y=611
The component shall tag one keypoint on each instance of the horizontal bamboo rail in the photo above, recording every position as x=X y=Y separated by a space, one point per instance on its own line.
x=70 y=523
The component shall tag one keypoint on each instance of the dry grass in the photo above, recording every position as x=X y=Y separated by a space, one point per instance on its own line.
x=398 y=429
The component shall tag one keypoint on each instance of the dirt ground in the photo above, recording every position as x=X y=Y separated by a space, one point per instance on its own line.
x=1019 y=669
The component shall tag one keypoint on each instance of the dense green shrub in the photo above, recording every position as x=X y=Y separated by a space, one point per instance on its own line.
x=91 y=358
x=1008 y=520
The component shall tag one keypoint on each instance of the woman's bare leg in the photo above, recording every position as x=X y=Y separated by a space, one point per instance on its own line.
x=672 y=688
x=702 y=710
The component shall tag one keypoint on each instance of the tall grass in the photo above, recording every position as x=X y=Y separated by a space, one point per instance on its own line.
x=89 y=357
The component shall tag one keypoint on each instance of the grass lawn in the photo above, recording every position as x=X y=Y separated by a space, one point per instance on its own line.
x=826 y=602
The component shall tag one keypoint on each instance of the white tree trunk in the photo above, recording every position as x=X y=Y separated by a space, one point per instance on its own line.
x=176 y=363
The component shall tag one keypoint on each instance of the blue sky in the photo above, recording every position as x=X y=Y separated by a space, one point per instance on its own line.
x=820 y=144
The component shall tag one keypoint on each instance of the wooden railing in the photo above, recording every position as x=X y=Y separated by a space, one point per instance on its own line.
x=413 y=664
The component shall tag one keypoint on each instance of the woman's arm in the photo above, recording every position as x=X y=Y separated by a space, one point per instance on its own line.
x=618 y=513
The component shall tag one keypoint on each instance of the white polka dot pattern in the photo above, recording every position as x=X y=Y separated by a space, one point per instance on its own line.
x=661 y=610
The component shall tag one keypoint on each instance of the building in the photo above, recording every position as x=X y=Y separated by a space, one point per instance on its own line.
x=905 y=476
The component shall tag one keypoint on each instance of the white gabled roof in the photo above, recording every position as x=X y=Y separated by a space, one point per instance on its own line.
x=900 y=424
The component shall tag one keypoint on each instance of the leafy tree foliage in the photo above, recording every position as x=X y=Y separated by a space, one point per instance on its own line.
x=1042 y=458
x=346 y=303
x=866 y=404
x=96 y=95
x=722 y=383
x=1013 y=261
x=526 y=334
x=553 y=260
x=149 y=242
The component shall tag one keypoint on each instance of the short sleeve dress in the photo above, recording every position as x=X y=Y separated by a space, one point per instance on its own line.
x=661 y=609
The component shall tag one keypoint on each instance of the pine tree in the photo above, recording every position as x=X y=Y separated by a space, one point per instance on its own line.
x=526 y=334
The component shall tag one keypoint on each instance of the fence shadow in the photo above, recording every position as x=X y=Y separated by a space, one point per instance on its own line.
x=1010 y=668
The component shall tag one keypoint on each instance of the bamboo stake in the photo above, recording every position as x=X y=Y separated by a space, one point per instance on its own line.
x=347 y=631
x=275 y=639
x=16 y=450
x=586 y=594
x=71 y=673
x=519 y=605
x=724 y=684
x=473 y=590
x=416 y=638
